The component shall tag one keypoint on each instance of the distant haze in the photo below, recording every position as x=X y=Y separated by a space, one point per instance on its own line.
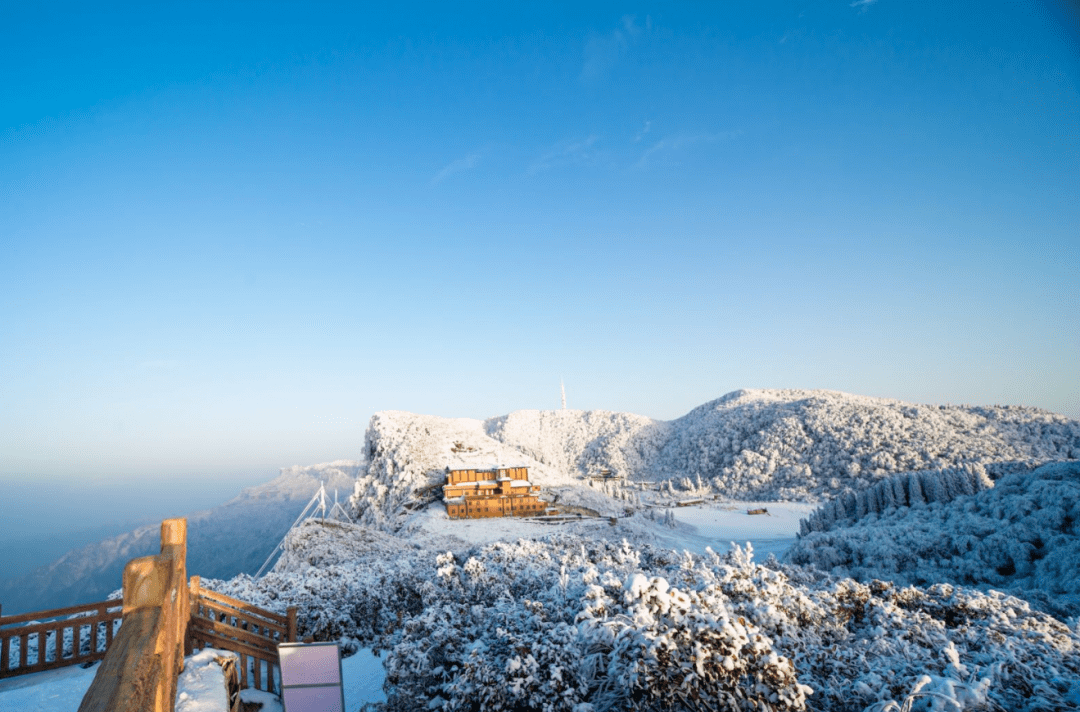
x=43 y=518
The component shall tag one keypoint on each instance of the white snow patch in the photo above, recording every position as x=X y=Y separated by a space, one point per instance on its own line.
x=201 y=686
x=362 y=675
x=717 y=526
x=51 y=691
x=270 y=702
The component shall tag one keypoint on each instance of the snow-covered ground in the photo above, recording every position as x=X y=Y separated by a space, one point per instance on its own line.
x=362 y=675
x=51 y=691
x=200 y=688
x=717 y=526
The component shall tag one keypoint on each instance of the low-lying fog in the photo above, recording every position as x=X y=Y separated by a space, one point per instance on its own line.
x=43 y=518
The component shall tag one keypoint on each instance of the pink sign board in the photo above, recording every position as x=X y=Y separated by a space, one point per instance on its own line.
x=310 y=699
x=311 y=677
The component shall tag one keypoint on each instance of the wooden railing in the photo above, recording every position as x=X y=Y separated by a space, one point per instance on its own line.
x=139 y=672
x=163 y=618
x=220 y=621
x=43 y=640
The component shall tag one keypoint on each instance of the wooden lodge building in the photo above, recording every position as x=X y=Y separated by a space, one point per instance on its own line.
x=498 y=492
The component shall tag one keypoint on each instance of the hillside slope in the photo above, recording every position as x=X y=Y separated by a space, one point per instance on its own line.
x=1022 y=536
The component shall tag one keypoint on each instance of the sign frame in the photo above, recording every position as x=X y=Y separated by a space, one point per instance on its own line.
x=319 y=688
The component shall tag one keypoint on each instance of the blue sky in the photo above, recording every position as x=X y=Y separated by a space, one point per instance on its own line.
x=231 y=235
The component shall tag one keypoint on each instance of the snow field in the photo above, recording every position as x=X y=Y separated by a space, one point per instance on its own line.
x=716 y=526
x=362 y=674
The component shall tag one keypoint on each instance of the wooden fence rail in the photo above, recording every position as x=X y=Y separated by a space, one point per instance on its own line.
x=163 y=619
x=220 y=621
x=44 y=640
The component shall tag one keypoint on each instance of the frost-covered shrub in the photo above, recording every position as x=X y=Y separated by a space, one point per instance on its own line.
x=1022 y=536
x=798 y=444
x=565 y=623
x=604 y=643
x=668 y=647
x=364 y=600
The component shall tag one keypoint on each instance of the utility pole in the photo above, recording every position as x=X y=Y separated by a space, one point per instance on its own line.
x=562 y=386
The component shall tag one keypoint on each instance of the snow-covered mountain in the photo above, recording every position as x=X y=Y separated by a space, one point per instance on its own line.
x=235 y=537
x=750 y=444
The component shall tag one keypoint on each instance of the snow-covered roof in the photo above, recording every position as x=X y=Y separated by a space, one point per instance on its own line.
x=472 y=483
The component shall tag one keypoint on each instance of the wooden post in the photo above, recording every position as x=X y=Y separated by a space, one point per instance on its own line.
x=291 y=612
x=139 y=671
x=193 y=603
x=174 y=545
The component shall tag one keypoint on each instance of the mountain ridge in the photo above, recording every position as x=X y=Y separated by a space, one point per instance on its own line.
x=805 y=445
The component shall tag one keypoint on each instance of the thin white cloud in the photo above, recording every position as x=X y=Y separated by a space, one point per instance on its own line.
x=673 y=145
x=644 y=130
x=863 y=5
x=565 y=153
x=602 y=52
x=462 y=164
